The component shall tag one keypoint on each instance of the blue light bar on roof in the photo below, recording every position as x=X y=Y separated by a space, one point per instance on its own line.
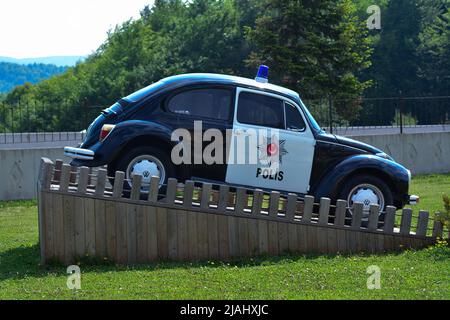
x=263 y=74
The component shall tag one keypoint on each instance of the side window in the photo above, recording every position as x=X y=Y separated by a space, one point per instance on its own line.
x=294 y=120
x=260 y=110
x=206 y=103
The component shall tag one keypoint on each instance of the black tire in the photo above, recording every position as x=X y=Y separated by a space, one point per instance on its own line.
x=355 y=181
x=121 y=164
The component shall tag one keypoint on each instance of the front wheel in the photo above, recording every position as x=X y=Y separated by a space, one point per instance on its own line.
x=368 y=190
x=146 y=162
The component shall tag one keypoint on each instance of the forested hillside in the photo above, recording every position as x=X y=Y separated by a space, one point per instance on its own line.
x=12 y=74
x=59 y=61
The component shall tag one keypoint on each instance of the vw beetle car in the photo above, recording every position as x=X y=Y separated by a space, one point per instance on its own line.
x=134 y=136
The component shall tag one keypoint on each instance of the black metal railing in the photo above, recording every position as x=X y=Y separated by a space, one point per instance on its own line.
x=29 y=122
x=32 y=122
x=396 y=115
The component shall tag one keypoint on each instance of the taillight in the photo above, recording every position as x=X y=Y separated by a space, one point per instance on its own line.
x=106 y=130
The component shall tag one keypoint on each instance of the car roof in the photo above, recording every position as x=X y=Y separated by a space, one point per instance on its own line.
x=192 y=78
x=178 y=81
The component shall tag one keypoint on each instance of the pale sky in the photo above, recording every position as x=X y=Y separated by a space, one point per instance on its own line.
x=39 y=28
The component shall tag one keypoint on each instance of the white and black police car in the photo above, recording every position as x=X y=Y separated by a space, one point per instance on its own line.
x=135 y=135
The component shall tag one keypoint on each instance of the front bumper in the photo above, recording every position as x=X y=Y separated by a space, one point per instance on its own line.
x=413 y=199
x=79 y=153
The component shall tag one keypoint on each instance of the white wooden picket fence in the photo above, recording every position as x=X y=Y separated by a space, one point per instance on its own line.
x=82 y=214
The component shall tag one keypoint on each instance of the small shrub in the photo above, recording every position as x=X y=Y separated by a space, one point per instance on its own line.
x=444 y=216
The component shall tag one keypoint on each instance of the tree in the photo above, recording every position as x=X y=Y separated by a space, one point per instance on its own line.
x=21 y=93
x=320 y=48
x=394 y=63
x=12 y=74
x=434 y=49
x=313 y=47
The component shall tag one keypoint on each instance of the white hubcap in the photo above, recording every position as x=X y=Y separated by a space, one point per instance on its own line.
x=366 y=194
x=146 y=166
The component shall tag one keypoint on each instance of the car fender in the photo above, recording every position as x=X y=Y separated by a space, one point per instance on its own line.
x=123 y=133
x=331 y=182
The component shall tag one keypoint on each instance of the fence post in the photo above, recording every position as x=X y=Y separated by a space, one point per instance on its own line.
x=330 y=113
x=101 y=181
x=389 y=219
x=171 y=190
x=65 y=176
x=188 y=193
x=273 y=203
x=136 y=181
x=58 y=167
x=154 y=189
x=205 y=195
x=422 y=224
x=257 y=201
x=73 y=174
x=405 y=224
x=401 y=114
x=374 y=214
x=119 y=178
x=83 y=180
x=223 y=198
x=45 y=174
x=341 y=210
x=437 y=229
x=308 y=209
x=291 y=206
x=324 y=211
x=240 y=199
x=44 y=183
x=358 y=209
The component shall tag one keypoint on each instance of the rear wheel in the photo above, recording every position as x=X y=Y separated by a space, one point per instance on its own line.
x=368 y=190
x=146 y=162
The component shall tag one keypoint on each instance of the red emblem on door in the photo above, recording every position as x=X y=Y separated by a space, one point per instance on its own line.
x=272 y=149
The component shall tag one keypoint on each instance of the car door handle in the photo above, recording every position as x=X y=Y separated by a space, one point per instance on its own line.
x=240 y=132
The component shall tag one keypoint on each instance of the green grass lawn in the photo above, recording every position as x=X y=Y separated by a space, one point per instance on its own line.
x=430 y=188
x=421 y=274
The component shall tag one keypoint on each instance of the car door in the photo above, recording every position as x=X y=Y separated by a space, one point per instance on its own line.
x=272 y=146
x=199 y=110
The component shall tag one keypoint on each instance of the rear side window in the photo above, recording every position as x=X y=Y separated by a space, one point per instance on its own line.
x=294 y=120
x=204 y=103
x=260 y=110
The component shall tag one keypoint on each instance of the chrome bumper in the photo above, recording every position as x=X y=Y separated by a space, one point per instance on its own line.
x=413 y=199
x=78 y=153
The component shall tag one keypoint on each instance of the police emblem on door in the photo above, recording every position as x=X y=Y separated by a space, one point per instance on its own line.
x=270 y=156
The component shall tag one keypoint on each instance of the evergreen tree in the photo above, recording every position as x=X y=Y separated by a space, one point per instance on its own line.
x=434 y=49
x=313 y=47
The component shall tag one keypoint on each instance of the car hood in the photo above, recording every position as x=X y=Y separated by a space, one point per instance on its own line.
x=357 y=144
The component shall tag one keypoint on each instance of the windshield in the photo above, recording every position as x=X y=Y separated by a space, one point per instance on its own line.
x=313 y=121
x=138 y=95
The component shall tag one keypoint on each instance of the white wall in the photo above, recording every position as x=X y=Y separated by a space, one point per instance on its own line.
x=419 y=152
x=19 y=171
x=422 y=153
